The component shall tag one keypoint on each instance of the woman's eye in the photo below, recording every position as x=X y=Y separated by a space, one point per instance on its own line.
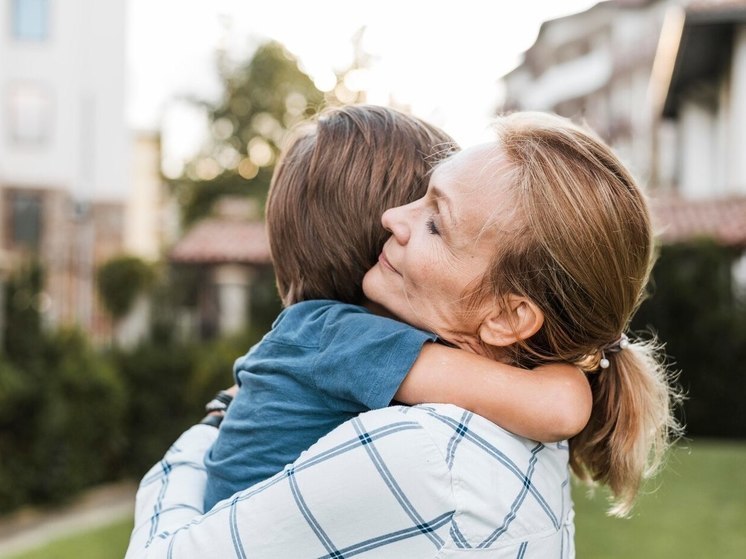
x=432 y=227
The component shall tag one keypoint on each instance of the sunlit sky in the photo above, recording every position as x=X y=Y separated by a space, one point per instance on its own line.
x=441 y=58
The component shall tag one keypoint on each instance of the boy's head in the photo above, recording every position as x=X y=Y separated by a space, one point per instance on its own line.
x=331 y=186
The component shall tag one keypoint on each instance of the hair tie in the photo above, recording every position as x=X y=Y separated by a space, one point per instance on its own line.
x=614 y=347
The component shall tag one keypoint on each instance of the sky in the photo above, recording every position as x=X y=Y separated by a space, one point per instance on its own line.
x=441 y=59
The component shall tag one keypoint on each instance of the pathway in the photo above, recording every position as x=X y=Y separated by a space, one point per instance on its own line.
x=29 y=528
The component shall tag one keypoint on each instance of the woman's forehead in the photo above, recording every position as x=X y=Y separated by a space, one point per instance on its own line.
x=476 y=182
x=478 y=165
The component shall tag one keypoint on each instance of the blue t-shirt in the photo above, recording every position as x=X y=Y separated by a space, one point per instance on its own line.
x=322 y=363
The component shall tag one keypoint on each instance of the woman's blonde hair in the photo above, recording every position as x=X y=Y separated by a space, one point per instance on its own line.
x=583 y=253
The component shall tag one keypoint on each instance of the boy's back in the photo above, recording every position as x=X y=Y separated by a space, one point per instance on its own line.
x=322 y=363
x=325 y=361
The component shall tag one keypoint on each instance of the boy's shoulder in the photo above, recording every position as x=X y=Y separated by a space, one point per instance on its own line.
x=306 y=321
x=318 y=309
x=315 y=322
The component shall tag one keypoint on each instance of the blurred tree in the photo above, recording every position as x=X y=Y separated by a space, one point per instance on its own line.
x=120 y=280
x=262 y=99
x=23 y=330
x=61 y=404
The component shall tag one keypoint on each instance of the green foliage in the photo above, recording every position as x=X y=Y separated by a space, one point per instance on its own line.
x=694 y=309
x=198 y=197
x=16 y=394
x=262 y=99
x=61 y=405
x=23 y=331
x=60 y=428
x=265 y=301
x=269 y=86
x=72 y=417
x=120 y=281
x=167 y=383
x=155 y=377
x=213 y=368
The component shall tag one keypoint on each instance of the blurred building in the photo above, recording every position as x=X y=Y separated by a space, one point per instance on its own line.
x=223 y=254
x=664 y=83
x=595 y=66
x=700 y=91
x=65 y=149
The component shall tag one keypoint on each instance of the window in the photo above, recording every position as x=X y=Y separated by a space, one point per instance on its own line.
x=30 y=118
x=30 y=20
x=25 y=218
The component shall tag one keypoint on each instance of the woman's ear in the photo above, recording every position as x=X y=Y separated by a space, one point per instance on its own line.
x=516 y=319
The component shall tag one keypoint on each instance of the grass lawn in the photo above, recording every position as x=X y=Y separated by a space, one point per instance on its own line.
x=696 y=509
x=108 y=542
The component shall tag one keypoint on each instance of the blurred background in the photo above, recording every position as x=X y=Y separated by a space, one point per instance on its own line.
x=137 y=141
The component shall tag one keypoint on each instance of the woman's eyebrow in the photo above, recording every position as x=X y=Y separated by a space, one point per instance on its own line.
x=444 y=204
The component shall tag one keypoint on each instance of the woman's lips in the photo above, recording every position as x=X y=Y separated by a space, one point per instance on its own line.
x=386 y=264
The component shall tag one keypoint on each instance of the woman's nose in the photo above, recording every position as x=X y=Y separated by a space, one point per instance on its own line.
x=394 y=220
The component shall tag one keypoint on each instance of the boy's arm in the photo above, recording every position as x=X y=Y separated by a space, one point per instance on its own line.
x=549 y=403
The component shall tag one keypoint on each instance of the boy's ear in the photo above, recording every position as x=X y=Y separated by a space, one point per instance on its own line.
x=517 y=318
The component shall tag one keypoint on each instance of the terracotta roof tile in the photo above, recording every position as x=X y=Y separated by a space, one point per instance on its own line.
x=704 y=5
x=223 y=240
x=721 y=219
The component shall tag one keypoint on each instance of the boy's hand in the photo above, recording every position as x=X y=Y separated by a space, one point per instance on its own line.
x=217 y=407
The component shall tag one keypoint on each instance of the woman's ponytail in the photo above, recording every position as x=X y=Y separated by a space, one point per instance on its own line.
x=582 y=248
x=631 y=424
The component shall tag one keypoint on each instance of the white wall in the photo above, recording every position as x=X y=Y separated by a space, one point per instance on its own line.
x=82 y=66
x=697 y=135
x=144 y=226
x=736 y=176
x=232 y=282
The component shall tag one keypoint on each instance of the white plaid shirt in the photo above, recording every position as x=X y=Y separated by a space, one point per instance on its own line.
x=424 y=482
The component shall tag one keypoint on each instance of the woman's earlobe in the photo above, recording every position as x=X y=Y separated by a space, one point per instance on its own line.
x=517 y=319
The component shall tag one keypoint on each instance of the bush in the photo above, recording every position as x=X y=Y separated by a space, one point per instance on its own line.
x=61 y=405
x=16 y=434
x=60 y=429
x=167 y=383
x=22 y=295
x=120 y=280
x=695 y=311
x=72 y=417
x=155 y=377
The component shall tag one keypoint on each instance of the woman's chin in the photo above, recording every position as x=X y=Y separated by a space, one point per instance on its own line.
x=371 y=283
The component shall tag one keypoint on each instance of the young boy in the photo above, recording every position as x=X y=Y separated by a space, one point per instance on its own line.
x=327 y=358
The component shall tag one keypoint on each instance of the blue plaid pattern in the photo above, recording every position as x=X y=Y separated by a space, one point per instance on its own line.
x=428 y=481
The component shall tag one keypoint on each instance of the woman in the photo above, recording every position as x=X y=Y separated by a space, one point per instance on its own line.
x=544 y=227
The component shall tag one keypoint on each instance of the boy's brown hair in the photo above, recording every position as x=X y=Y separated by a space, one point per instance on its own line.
x=331 y=186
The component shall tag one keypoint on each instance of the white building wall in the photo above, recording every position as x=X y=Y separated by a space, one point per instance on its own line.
x=736 y=178
x=697 y=136
x=232 y=282
x=145 y=220
x=721 y=172
x=606 y=81
x=81 y=67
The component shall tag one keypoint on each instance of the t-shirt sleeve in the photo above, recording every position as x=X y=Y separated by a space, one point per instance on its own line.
x=239 y=361
x=363 y=358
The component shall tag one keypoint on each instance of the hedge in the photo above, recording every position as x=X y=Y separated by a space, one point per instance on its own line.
x=696 y=309
x=72 y=416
